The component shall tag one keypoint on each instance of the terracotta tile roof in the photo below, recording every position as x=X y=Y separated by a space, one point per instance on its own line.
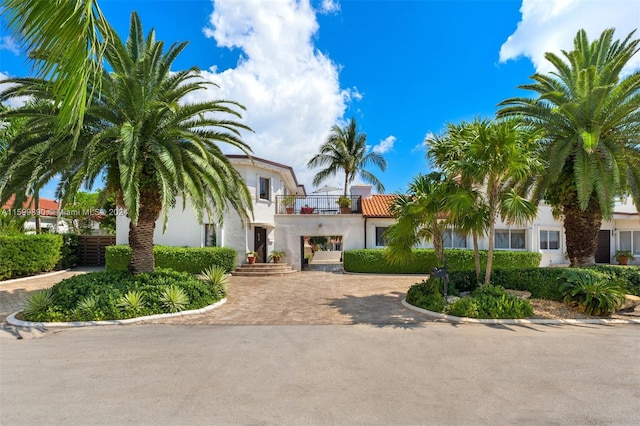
x=47 y=207
x=377 y=206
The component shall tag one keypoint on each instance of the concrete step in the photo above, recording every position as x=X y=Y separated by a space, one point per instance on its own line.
x=263 y=269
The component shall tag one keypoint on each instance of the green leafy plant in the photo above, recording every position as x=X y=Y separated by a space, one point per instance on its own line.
x=252 y=253
x=88 y=310
x=344 y=201
x=463 y=307
x=622 y=256
x=181 y=259
x=174 y=298
x=133 y=302
x=289 y=200
x=276 y=255
x=217 y=278
x=592 y=292
x=38 y=303
x=28 y=254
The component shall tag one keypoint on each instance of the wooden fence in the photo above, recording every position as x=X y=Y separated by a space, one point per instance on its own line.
x=91 y=249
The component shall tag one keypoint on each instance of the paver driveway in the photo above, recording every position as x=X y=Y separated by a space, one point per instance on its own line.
x=313 y=298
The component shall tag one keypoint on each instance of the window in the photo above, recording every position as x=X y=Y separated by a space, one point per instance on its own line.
x=380 y=241
x=265 y=189
x=452 y=239
x=630 y=240
x=549 y=239
x=210 y=239
x=510 y=239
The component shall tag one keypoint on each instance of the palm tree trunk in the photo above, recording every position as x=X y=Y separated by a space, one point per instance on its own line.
x=36 y=201
x=141 y=233
x=438 y=246
x=581 y=230
x=346 y=181
x=476 y=255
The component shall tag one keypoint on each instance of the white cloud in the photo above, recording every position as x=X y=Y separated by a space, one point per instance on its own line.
x=13 y=102
x=385 y=145
x=9 y=43
x=291 y=90
x=329 y=6
x=551 y=25
x=423 y=146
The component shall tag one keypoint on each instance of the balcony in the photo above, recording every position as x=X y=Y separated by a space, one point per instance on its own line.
x=316 y=204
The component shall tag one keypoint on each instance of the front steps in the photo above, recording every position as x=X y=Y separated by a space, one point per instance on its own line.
x=262 y=270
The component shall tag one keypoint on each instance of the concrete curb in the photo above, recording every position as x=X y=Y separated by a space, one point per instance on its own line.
x=34 y=277
x=459 y=320
x=14 y=321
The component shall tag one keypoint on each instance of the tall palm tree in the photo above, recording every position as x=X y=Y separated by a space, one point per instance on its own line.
x=65 y=41
x=591 y=116
x=149 y=146
x=420 y=216
x=497 y=157
x=345 y=149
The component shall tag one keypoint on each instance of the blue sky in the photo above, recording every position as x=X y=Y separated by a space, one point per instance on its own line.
x=403 y=69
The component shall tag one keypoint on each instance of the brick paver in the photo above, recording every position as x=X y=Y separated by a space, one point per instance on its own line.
x=312 y=297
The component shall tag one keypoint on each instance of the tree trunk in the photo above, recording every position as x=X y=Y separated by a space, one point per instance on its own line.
x=36 y=200
x=141 y=233
x=438 y=247
x=492 y=235
x=581 y=230
x=476 y=256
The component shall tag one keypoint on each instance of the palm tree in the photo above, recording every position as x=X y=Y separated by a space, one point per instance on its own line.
x=498 y=157
x=420 y=216
x=591 y=116
x=346 y=149
x=65 y=40
x=149 y=147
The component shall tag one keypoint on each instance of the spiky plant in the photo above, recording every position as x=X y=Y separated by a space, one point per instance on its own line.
x=133 y=302
x=174 y=298
x=37 y=304
x=217 y=278
x=592 y=292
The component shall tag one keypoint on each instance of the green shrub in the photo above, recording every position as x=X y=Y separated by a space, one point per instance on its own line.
x=375 y=261
x=38 y=303
x=182 y=259
x=68 y=251
x=593 y=292
x=629 y=275
x=463 y=307
x=100 y=295
x=22 y=255
x=488 y=302
x=541 y=282
x=174 y=298
x=494 y=302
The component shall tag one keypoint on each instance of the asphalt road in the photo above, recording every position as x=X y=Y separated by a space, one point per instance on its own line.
x=431 y=374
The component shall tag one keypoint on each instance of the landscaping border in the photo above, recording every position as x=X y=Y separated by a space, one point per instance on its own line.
x=20 y=323
x=461 y=320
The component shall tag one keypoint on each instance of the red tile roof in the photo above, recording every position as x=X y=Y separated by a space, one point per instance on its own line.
x=377 y=206
x=47 y=207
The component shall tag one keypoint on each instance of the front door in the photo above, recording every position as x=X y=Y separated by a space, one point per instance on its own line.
x=260 y=243
x=603 y=248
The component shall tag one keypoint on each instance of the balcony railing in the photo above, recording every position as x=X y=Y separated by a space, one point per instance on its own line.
x=316 y=204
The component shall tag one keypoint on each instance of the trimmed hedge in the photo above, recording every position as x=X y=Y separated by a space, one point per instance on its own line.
x=183 y=259
x=68 y=251
x=375 y=261
x=22 y=255
x=543 y=282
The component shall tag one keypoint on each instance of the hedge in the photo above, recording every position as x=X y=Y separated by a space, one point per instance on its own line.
x=375 y=261
x=183 y=259
x=22 y=255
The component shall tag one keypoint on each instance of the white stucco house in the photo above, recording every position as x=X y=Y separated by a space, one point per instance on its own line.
x=361 y=225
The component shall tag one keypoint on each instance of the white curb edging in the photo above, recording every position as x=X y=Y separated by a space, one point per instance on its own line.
x=33 y=277
x=14 y=321
x=455 y=319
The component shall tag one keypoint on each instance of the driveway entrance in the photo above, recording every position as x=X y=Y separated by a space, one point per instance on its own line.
x=314 y=298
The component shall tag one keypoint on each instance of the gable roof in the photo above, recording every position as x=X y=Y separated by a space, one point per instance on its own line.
x=47 y=207
x=238 y=158
x=377 y=205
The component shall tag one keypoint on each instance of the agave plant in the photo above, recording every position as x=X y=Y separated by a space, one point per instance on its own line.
x=87 y=309
x=216 y=277
x=174 y=298
x=132 y=302
x=593 y=293
x=37 y=303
